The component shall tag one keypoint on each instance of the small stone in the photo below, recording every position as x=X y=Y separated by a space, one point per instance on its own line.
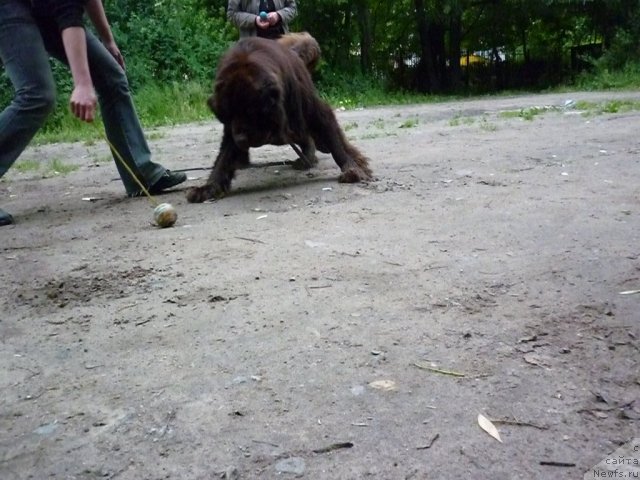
x=293 y=465
x=239 y=380
x=46 y=430
x=357 y=390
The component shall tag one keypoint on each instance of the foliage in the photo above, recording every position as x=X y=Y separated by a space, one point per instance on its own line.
x=187 y=103
x=418 y=44
x=627 y=77
x=624 y=46
x=168 y=40
x=373 y=52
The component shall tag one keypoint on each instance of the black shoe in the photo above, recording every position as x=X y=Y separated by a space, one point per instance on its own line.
x=168 y=180
x=5 y=218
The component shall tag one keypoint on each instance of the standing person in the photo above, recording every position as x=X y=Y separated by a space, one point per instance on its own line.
x=27 y=33
x=245 y=15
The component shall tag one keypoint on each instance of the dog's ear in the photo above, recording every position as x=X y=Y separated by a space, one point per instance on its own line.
x=215 y=107
x=216 y=103
x=211 y=101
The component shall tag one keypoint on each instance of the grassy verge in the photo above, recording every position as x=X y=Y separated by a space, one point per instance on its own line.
x=178 y=103
x=47 y=169
x=157 y=105
x=588 y=109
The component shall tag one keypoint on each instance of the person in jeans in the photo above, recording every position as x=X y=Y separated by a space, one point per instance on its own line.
x=245 y=15
x=30 y=31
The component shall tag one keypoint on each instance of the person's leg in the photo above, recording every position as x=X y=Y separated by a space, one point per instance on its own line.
x=121 y=123
x=27 y=65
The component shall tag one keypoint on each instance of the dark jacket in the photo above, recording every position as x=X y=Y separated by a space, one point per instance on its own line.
x=242 y=13
x=65 y=13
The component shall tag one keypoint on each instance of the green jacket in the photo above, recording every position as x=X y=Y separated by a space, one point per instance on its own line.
x=243 y=13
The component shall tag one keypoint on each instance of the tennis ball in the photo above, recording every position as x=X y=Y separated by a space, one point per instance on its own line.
x=165 y=215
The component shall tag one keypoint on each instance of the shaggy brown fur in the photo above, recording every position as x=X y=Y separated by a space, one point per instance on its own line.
x=304 y=45
x=263 y=94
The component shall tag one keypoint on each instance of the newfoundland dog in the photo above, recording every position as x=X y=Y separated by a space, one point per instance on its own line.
x=264 y=94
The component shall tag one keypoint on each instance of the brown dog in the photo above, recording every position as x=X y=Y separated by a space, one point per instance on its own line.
x=264 y=94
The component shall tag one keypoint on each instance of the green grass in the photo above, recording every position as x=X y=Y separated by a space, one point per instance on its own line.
x=68 y=129
x=371 y=136
x=457 y=121
x=350 y=91
x=25 y=166
x=611 y=106
x=527 y=114
x=483 y=124
x=588 y=109
x=58 y=167
x=173 y=104
x=409 y=123
x=626 y=78
x=102 y=159
x=54 y=167
x=156 y=105
x=156 y=135
x=487 y=126
x=510 y=114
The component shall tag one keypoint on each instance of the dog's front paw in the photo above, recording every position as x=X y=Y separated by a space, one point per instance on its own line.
x=304 y=163
x=354 y=175
x=204 y=193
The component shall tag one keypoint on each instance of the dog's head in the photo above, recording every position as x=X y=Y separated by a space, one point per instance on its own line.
x=249 y=98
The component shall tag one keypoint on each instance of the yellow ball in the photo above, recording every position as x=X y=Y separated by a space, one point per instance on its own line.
x=165 y=215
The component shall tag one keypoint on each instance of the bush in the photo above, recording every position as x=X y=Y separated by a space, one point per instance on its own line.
x=168 y=41
x=624 y=49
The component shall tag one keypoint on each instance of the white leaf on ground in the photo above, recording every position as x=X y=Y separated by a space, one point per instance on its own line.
x=386 y=385
x=312 y=244
x=488 y=427
x=538 y=360
x=630 y=292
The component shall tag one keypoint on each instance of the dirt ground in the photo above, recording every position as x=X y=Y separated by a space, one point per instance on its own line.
x=305 y=328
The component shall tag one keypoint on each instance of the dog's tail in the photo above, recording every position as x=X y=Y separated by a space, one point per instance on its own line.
x=305 y=46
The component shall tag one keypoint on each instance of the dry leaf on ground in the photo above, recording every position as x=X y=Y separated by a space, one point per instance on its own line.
x=488 y=427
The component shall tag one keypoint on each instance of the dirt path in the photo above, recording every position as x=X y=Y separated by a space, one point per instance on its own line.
x=284 y=331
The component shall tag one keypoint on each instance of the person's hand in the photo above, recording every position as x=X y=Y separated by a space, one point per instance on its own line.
x=83 y=103
x=262 y=24
x=273 y=18
x=115 y=52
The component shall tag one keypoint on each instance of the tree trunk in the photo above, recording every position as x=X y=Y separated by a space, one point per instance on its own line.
x=437 y=32
x=525 y=46
x=427 y=80
x=366 y=39
x=344 y=52
x=455 y=49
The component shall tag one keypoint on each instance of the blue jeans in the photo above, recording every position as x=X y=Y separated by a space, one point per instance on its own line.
x=27 y=64
x=24 y=43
